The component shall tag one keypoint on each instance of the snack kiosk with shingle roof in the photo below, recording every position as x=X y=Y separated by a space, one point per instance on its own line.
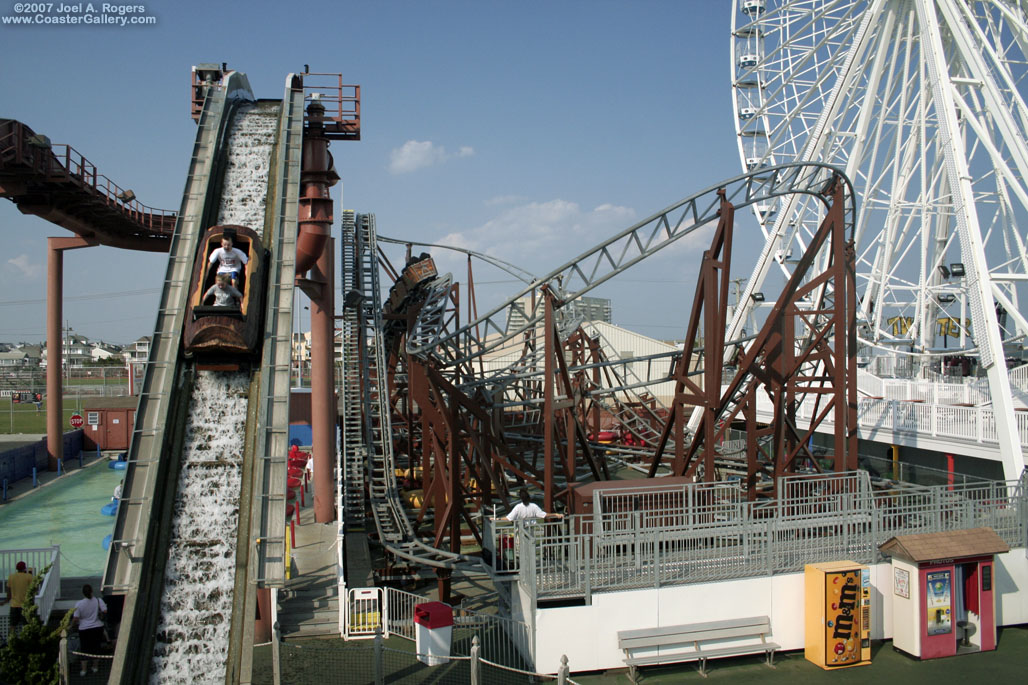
x=943 y=591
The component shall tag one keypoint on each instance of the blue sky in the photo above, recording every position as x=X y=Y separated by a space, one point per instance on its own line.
x=530 y=130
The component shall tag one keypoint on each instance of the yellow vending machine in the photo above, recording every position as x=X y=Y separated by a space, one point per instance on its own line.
x=838 y=614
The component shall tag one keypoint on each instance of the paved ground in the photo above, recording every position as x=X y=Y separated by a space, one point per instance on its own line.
x=888 y=665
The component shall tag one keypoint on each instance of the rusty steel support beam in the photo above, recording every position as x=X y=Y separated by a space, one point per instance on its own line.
x=314 y=253
x=707 y=312
x=324 y=414
x=55 y=248
x=805 y=349
x=549 y=405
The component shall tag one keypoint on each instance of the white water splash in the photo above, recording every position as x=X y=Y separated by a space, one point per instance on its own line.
x=245 y=182
x=196 y=606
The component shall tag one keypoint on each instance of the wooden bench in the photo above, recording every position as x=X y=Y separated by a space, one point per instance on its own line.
x=735 y=637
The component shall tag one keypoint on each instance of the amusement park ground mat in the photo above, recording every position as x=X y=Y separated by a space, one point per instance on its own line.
x=1004 y=665
x=336 y=661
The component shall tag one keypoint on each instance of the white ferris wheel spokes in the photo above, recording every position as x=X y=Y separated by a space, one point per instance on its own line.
x=922 y=103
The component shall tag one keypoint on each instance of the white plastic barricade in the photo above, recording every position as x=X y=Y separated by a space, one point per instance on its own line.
x=364 y=612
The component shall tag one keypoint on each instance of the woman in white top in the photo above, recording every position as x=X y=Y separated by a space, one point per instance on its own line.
x=89 y=617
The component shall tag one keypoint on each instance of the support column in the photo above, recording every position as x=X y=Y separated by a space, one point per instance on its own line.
x=323 y=401
x=548 y=406
x=54 y=351
x=262 y=629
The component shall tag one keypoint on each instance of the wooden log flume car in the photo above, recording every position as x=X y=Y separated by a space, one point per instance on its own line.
x=233 y=330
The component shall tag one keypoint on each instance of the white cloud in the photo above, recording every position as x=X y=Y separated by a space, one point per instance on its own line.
x=503 y=200
x=416 y=154
x=27 y=268
x=614 y=212
x=539 y=236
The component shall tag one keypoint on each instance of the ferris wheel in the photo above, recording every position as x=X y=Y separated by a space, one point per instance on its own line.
x=922 y=104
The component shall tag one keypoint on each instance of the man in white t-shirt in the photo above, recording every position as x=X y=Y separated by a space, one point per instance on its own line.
x=525 y=509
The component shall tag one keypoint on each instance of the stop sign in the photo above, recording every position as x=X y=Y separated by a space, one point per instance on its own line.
x=76 y=421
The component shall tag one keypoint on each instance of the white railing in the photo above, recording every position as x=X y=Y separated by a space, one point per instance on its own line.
x=36 y=560
x=870 y=384
x=1019 y=377
x=971 y=391
x=972 y=424
x=835 y=517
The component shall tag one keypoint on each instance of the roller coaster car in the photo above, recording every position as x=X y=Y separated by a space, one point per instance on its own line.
x=417 y=271
x=227 y=333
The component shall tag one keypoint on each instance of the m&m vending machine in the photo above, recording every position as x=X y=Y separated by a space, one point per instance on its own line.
x=838 y=614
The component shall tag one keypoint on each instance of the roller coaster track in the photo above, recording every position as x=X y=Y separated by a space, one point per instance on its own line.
x=489 y=334
x=367 y=439
x=139 y=552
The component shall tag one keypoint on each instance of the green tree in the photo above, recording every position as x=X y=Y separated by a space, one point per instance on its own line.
x=30 y=655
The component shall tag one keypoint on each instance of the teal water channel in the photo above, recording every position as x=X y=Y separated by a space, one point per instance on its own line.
x=65 y=512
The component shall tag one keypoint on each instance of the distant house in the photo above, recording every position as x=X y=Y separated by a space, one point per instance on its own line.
x=33 y=353
x=139 y=351
x=102 y=351
x=14 y=359
x=76 y=350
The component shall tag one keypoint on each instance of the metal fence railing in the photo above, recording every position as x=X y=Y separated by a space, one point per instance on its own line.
x=36 y=560
x=820 y=518
x=504 y=641
x=17 y=463
x=917 y=474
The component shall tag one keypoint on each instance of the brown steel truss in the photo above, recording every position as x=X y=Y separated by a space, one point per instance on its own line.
x=804 y=354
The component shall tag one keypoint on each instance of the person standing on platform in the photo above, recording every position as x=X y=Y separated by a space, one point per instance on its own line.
x=17 y=588
x=525 y=509
x=89 y=617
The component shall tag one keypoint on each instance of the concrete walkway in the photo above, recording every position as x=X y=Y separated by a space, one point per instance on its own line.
x=309 y=605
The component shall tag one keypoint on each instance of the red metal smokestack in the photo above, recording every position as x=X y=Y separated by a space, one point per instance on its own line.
x=317 y=176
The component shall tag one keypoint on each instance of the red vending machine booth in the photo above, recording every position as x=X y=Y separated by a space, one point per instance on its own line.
x=943 y=591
